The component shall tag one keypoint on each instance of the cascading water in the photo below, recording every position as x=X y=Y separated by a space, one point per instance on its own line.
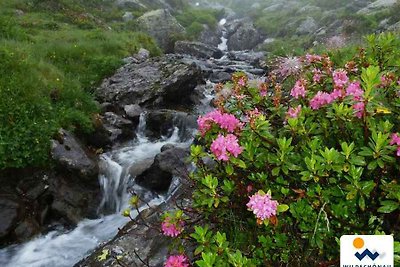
x=63 y=248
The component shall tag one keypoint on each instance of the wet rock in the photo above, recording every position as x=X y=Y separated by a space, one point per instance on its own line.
x=220 y=77
x=70 y=155
x=154 y=83
x=118 y=128
x=210 y=36
x=8 y=215
x=133 y=111
x=26 y=229
x=197 y=49
x=162 y=26
x=245 y=37
x=257 y=59
x=162 y=123
x=169 y=163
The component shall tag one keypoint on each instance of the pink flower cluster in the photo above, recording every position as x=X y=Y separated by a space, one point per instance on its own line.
x=262 y=205
x=299 y=89
x=395 y=140
x=171 y=228
x=340 y=78
x=317 y=75
x=354 y=89
x=312 y=58
x=294 y=112
x=225 y=121
x=177 y=261
x=223 y=145
x=321 y=99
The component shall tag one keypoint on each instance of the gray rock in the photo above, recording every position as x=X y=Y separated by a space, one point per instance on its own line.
x=197 y=49
x=133 y=111
x=377 y=6
x=128 y=16
x=162 y=123
x=257 y=59
x=308 y=26
x=118 y=128
x=142 y=55
x=69 y=154
x=245 y=37
x=169 y=163
x=162 y=26
x=154 y=83
x=220 y=77
x=210 y=36
x=394 y=27
x=8 y=215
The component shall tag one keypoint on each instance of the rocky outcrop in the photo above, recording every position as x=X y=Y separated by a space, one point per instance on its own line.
x=197 y=49
x=153 y=83
x=69 y=155
x=377 y=6
x=166 y=165
x=243 y=36
x=210 y=36
x=162 y=26
x=307 y=26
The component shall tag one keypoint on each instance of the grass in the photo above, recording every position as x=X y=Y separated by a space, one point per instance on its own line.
x=51 y=59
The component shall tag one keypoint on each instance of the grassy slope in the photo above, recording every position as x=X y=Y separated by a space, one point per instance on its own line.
x=51 y=58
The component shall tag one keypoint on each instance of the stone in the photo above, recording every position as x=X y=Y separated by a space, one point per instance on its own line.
x=69 y=154
x=166 y=165
x=244 y=37
x=128 y=16
x=154 y=83
x=133 y=111
x=8 y=215
x=162 y=26
x=308 y=26
x=197 y=49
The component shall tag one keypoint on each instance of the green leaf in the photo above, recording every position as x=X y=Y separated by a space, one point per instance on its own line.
x=388 y=206
x=282 y=208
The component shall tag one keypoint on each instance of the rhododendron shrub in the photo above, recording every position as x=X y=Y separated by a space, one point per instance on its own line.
x=286 y=165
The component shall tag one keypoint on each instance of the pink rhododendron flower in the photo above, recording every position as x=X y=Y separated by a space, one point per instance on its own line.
x=340 y=78
x=320 y=99
x=177 y=261
x=172 y=229
x=222 y=145
x=317 y=75
x=242 y=82
x=299 y=89
x=294 y=112
x=395 y=139
x=359 y=108
x=354 y=89
x=262 y=205
x=337 y=93
x=312 y=58
x=225 y=121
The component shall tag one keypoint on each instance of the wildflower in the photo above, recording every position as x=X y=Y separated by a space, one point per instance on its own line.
x=354 y=89
x=176 y=261
x=359 y=108
x=222 y=145
x=395 y=140
x=225 y=121
x=320 y=99
x=340 y=78
x=299 y=89
x=317 y=75
x=312 y=58
x=242 y=82
x=294 y=112
x=288 y=66
x=262 y=205
x=171 y=228
x=336 y=93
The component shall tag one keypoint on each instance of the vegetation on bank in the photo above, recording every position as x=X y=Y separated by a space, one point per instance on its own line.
x=303 y=157
x=53 y=53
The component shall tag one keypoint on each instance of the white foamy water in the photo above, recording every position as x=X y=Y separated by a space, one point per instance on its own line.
x=63 y=248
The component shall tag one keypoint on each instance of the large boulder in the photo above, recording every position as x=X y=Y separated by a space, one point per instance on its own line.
x=69 y=154
x=166 y=165
x=8 y=215
x=162 y=26
x=197 y=49
x=307 y=26
x=210 y=36
x=153 y=83
x=162 y=123
x=377 y=6
x=245 y=36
